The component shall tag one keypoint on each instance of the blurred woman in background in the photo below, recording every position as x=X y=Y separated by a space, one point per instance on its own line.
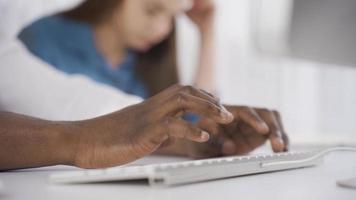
x=129 y=45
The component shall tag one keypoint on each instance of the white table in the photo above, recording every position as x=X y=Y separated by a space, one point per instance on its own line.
x=309 y=183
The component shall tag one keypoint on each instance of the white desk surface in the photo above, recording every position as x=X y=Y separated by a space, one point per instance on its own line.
x=308 y=183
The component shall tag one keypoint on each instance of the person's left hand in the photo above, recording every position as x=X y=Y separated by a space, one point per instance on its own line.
x=251 y=128
x=202 y=13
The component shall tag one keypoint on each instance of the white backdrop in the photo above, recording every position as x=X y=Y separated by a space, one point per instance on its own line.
x=318 y=102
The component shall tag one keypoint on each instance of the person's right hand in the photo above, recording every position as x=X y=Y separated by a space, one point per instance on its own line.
x=250 y=129
x=139 y=130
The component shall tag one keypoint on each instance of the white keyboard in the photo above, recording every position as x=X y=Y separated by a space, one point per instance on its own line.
x=178 y=173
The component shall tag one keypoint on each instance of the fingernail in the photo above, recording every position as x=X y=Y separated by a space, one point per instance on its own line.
x=204 y=136
x=226 y=115
x=278 y=144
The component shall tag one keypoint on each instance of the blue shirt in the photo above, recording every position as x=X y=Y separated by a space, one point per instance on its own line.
x=69 y=46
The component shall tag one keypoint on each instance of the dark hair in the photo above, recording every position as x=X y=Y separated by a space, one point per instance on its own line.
x=157 y=67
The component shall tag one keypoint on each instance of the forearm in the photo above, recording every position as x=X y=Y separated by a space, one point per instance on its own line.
x=205 y=77
x=28 y=142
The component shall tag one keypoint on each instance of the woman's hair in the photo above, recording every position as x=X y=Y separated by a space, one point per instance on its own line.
x=157 y=67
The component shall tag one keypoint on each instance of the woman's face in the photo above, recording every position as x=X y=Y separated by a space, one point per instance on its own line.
x=145 y=23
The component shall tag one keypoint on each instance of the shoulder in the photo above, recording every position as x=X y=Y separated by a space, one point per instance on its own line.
x=40 y=26
x=41 y=32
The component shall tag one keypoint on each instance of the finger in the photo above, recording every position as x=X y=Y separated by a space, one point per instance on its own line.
x=166 y=131
x=189 y=90
x=221 y=145
x=250 y=117
x=284 y=134
x=173 y=90
x=188 y=103
x=219 y=140
x=166 y=93
x=228 y=147
x=211 y=95
x=209 y=126
x=275 y=133
x=201 y=94
x=286 y=142
x=178 y=128
x=245 y=137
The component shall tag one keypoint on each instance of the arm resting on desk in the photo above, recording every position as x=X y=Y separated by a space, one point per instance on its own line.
x=29 y=142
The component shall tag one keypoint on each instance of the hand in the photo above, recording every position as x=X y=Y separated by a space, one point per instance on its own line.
x=139 y=130
x=202 y=14
x=251 y=128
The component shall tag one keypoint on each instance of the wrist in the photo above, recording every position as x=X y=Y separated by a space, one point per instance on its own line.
x=206 y=29
x=65 y=143
x=207 y=36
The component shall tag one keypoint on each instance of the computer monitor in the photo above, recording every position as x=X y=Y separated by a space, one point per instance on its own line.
x=324 y=30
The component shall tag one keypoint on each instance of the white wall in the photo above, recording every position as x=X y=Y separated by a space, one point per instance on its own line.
x=318 y=102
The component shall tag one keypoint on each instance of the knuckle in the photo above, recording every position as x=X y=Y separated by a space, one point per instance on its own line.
x=245 y=109
x=276 y=113
x=271 y=111
x=239 y=107
x=251 y=110
x=177 y=86
x=188 y=89
x=180 y=98
x=265 y=110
